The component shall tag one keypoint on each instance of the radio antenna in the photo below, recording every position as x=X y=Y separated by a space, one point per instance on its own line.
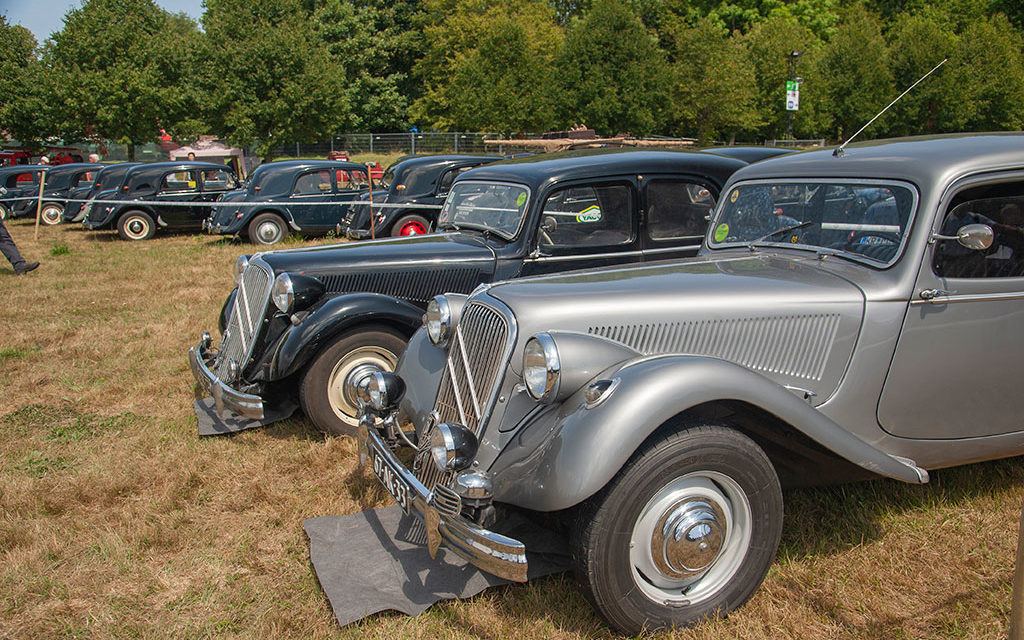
x=839 y=150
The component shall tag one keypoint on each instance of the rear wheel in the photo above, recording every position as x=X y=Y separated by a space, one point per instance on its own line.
x=686 y=530
x=52 y=213
x=325 y=393
x=135 y=225
x=410 y=225
x=4 y=212
x=266 y=228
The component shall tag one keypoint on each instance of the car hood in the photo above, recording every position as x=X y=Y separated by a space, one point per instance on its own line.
x=413 y=268
x=781 y=316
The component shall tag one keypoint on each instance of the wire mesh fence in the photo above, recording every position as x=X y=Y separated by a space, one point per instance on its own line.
x=392 y=143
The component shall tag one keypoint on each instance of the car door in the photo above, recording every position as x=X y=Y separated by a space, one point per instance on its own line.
x=674 y=216
x=591 y=224
x=215 y=182
x=180 y=186
x=959 y=361
x=350 y=185
x=311 y=188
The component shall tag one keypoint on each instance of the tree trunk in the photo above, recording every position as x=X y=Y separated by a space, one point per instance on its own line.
x=131 y=152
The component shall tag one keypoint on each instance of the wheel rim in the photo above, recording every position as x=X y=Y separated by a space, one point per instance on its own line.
x=3 y=212
x=136 y=228
x=690 y=539
x=268 y=232
x=352 y=367
x=51 y=215
x=412 y=228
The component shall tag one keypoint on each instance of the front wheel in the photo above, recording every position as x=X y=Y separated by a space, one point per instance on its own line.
x=686 y=530
x=325 y=392
x=135 y=225
x=410 y=225
x=4 y=212
x=52 y=213
x=266 y=228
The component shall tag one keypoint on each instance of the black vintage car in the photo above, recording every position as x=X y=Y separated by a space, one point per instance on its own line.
x=303 y=322
x=111 y=175
x=19 y=189
x=421 y=183
x=64 y=182
x=290 y=196
x=170 y=195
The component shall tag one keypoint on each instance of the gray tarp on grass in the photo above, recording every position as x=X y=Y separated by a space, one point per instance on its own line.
x=374 y=560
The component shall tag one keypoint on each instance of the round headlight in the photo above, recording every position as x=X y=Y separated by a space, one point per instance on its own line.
x=384 y=390
x=452 y=446
x=283 y=293
x=438 y=321
x=240 y=265
x=541 y=368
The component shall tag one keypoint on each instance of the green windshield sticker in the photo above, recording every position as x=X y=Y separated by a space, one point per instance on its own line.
x=721 y=232
x=590 y=214
x=521 y=200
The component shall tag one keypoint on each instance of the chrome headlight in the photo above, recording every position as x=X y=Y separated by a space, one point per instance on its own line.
x=452 y=446
x=541 y=368
x=438 y=321
x=295 y=292
x=384 y=390
x=240 y=264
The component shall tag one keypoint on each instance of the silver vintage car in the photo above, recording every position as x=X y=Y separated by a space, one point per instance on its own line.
x=851 y=315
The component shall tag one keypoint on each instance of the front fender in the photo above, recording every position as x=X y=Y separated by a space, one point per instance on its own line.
x=300 y=343
x=567 y=456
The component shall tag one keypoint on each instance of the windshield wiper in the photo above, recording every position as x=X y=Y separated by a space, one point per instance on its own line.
x=792 y=227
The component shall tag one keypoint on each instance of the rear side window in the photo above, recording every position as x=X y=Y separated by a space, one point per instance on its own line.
x=178 y=181
x=313 y=182
x=677 y=209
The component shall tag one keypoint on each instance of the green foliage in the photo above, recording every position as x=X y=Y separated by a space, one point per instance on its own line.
x=611 y=74
x=265 y=84
x=19 y=74
x=60 y=249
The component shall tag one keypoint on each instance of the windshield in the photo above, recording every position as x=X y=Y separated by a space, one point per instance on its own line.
x=385 y=180
x=486 y=206
x=864 y=220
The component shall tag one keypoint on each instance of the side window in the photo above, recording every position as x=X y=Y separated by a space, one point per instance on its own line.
x=587 y=216
x=83 y=179
x=677 y=209
x=180 y=181
x=312 y=183
x=352 y=180
x=217 y=180
x=444 y=185
x=1005 y=258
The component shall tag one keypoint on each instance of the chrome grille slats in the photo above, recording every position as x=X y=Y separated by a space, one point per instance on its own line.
x=791 y=346
x=446 y=501
x=475 y=358
x=246 y=319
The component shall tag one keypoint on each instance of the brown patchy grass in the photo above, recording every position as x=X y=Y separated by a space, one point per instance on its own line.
x=117 y=521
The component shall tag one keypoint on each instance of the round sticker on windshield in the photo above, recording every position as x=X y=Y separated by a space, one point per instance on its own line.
x=521 y=200
x=732 y=197
x=722 y=230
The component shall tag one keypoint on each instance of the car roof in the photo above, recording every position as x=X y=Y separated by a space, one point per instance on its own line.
x=24 y=168
x=76 y=166
x=298 y=165
x=184 y=165
x=425 y=161
x=926 y=161
x=748 y=154
x=535 y=171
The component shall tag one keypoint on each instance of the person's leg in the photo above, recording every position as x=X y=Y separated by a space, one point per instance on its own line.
x=10 y=251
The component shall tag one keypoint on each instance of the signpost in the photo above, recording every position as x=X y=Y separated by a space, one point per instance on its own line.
x=792 y=95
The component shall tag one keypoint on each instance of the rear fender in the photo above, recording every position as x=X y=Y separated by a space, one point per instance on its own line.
x=332 y=318
x=566 y=456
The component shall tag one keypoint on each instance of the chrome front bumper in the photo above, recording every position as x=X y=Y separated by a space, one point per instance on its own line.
x=492 y=552
x=224 y=397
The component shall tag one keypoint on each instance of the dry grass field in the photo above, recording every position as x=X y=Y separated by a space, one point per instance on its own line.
x=117 y=521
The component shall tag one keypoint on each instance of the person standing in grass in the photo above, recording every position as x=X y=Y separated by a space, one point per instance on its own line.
x=10 y=251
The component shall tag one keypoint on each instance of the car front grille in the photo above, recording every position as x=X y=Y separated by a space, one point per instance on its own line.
x=470 y=380
x=245 y=321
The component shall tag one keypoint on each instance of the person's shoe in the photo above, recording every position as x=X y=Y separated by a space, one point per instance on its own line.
x=25 y=268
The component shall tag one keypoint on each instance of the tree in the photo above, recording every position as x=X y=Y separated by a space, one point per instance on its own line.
x=270 y=80
x=20 y=109
x=488 y=66
x=118 y=70
x=990 y=64
x=714 y=92
x=854 y=71
x=611 y=75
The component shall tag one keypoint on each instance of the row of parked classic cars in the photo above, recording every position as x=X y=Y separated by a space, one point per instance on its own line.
x=302 y=197
x=649 y=346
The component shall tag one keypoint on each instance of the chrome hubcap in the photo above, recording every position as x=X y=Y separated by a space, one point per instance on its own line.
x=690 y=538
x=268 y=232
x=51 y=215
x=352 y=368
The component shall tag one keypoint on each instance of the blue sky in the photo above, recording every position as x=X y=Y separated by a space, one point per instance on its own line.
x=43 y=17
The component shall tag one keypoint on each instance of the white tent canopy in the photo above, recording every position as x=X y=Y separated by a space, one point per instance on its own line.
x=212 y=151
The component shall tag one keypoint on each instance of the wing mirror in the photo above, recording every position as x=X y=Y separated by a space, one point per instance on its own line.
x=972 y=236
x=548 y=224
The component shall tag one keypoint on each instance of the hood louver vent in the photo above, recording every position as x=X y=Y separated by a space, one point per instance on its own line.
x=413 y=285
x=791 y=346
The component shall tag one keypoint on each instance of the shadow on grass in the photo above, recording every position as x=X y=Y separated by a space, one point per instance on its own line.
x=832 y=519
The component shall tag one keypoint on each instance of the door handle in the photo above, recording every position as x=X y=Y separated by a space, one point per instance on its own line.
x=931 y=294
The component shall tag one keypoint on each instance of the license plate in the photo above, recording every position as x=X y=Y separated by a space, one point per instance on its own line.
x=390 y=478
